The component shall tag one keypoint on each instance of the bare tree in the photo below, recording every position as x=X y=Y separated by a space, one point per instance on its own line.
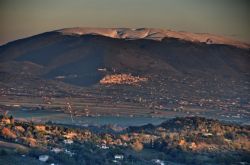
x=69 y=109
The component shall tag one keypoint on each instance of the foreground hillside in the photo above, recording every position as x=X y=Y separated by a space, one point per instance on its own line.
x=190 y=140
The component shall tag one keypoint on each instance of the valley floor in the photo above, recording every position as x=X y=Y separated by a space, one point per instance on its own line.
x=102 y=110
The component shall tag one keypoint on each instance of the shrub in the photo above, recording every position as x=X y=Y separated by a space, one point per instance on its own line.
x=137 y=146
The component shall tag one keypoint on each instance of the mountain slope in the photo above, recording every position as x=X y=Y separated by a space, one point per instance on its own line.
x=77 y=58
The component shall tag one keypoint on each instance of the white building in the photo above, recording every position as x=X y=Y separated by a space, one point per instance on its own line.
x=43 y=158
x=158 y=161
x=68 y=141
x=119 y=157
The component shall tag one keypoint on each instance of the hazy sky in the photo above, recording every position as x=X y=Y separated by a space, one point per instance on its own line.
x=22 y=18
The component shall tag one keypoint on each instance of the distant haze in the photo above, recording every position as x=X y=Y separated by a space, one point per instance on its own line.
x=23 y=18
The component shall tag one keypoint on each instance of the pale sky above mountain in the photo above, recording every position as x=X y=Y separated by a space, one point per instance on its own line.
x=22 y=18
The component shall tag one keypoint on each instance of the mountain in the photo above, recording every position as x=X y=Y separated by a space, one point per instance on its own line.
x=146 y=66
x=130 y=72
x=76 y=54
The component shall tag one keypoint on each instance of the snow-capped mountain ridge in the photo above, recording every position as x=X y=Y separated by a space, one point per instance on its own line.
x=153 y=34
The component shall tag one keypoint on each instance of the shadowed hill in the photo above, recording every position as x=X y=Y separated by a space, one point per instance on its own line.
x=77 y=58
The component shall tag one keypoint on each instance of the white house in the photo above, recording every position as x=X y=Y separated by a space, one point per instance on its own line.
x=120 y=157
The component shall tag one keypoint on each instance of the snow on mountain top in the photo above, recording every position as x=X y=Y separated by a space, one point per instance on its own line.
x=153 y=34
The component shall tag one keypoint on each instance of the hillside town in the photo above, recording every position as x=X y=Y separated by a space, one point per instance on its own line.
x=122 y=79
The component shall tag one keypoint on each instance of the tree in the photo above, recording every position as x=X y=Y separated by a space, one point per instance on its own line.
x=137 y=146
